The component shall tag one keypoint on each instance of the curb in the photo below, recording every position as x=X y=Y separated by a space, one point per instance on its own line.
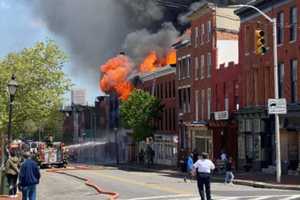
x=256 y=184
x=88 y=182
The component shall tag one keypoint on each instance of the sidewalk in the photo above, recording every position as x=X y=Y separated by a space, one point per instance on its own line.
x=254 y=179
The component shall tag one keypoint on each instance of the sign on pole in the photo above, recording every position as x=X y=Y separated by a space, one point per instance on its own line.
x=277 y=106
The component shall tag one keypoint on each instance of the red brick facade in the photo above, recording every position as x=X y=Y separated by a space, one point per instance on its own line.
x=206 y=86
x=256 y=127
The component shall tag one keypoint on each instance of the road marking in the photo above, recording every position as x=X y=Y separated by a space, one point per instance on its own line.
x=161 y=197
x=261 y=198
x=156 y=187
x=292 y=197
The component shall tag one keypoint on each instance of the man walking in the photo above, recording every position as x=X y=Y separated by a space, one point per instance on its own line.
x=189 y=167
x=29 y=177
x=204 y=167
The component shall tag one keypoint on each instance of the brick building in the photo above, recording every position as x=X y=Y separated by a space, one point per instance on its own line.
x=214 y=30
x=256 y=127
x=161 y=84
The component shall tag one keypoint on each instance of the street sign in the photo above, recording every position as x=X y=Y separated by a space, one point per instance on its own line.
x=277 y=106
x=223 y=115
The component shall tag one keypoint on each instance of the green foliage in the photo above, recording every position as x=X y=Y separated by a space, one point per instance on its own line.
x=138 y=113
x=42 y=84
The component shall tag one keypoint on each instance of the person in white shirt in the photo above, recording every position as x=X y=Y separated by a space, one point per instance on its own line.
x=203 y=168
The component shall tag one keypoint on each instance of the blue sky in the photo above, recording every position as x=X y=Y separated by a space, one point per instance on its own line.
x=20 y=29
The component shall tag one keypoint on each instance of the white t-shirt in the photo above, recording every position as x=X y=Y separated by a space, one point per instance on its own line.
x=204 y=166
x=223 y=157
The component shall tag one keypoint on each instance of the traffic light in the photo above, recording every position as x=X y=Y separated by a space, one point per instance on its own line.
x=260 y=48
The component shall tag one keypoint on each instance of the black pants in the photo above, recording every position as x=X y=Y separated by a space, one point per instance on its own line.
x=12 y=182
x=203 y=180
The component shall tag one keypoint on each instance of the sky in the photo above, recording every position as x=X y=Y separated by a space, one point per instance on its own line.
x=20 y=29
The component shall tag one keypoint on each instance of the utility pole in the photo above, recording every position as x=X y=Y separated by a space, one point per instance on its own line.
x=277 y=129
x=116 y=145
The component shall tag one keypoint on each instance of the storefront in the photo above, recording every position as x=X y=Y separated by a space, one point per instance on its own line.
x=165 y=148
x=200 y=137
x=256 y=139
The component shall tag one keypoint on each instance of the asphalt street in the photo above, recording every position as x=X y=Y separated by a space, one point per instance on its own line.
x=133 y=185
x=61 y=187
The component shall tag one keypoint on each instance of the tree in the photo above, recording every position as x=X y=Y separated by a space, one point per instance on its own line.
x=139 y=112
x=42 y=85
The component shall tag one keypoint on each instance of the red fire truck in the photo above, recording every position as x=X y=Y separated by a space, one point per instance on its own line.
x=53 y=155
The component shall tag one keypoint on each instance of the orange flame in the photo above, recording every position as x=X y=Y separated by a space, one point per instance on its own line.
x=152 y=61
x=170 y=58
x=115 y=72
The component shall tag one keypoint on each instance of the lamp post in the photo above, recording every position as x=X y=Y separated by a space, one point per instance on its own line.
x=277 y=131
x=12 y=88
x=116 y=145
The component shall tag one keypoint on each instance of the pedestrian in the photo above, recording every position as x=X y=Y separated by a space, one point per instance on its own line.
x=195 y=155
x=12 y=171
x=204 y=166
x=149 y=155
x=189 y=167
x=29 y=177
x=141 y=156
x=152 y=156
x=223 y=156
x=229 y=174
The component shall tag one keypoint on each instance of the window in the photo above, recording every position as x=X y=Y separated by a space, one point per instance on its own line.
x=208 y=30
x=174 y=119
x=247 y=41
x=226 y=103
x=281 y=80
x=162 y=90
x=196 y=68
x=179 y=68
x=202 y=103
x=208 y=103
x=184 y=100
x=208 y=65
x=202 y=67
x=280 y=29
x=196 y=37
x=293 y=24
x=180 y=99
x=170 y=89
x=166 y=119
x=188 y=63
x=197 y=104
x=294 y=77
x=189 y=100
x=202 y=33
x=170 y=119
x=173 y=88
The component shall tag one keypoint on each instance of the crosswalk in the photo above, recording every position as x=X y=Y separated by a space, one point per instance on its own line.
x=216 y=197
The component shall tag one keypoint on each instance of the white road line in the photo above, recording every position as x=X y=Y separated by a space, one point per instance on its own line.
x=162 y=197
x=261 y=198
x=292 y=197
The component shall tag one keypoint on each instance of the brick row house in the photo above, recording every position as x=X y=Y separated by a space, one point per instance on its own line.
x=161 y=84
x=256 y=139
x=207 y=82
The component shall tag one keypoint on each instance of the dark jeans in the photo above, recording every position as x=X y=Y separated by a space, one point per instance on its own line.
x=12 y=182
x=29 y=192
x=203 y=180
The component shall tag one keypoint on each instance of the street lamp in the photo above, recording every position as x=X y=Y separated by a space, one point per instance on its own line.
x=116 y=145
x=12 y=88
x=277 y=131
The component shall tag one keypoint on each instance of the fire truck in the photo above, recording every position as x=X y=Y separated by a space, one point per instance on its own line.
x=53 y=155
